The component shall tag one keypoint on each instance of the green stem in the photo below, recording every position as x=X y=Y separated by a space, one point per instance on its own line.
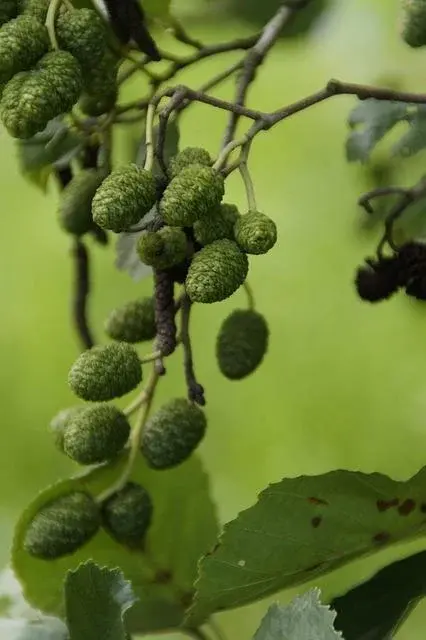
x=135 y=438
x=51 y=19
x=249 y=187
x=250 y=296
x=149 y=139
x=150 y=357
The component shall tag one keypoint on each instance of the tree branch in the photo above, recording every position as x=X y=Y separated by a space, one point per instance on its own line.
x=81 y=293
x=195 y=389
x=256 y=56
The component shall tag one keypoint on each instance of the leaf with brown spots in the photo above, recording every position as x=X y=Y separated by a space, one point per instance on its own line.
x=305 y=527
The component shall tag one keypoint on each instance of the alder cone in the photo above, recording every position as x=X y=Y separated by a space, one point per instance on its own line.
x=242 y=343
x=134 y=322
x=127 y=514
x=62 y=526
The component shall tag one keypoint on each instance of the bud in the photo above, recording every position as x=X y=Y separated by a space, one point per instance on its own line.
x=127 y=514
x=134 y=322
x=123 y=198
x=105 y=372
x=216 y=272
x=75 y=207
x=190 y=155
x=242 y=343
x=62 y=526
x=255 y=233
x=96 y=434
x=60 y=422
x=173 y=433
x=23 y=41
x=192 y=194
x=217 y=225
x=164 y=248
x=413 y=27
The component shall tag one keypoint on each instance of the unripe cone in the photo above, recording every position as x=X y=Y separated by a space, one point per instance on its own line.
x=105 y=372
x=127 y=514
x=164 y=248
x=242 y=343
x=123 y=198
x=97 y=434
x=23 y=41
x=134 y=322
x=413 y=28
x=216 y=272
x=255 y=233
x=188 y=156
x=173 y=433
x=37 y=9
x=192 y=194
x=217 y=225
x=75 y=207
x=62 y=526
x=82 y=33
x=60 y=422
x=101 y=89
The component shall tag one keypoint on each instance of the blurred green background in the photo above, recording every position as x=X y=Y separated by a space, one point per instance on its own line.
x=344 y=384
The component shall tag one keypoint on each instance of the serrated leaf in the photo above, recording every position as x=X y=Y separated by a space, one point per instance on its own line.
x=414 y=140
x=96 y=599
x=45 y=628
x=305 y=617
x=304 y=527
x=375 y=609
x=184 y=527
x=371 y=120
x=56 y=145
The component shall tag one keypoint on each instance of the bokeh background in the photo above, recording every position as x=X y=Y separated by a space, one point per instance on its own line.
x=344 y=384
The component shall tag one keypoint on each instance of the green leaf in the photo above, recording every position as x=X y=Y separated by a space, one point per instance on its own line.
x=96 y=600
x=184 y=527
x=44 y=628
x=370 y=121
x=56 y=145
x=414 y=140
x=304 y=527
x=375 y=609
x=305 y=617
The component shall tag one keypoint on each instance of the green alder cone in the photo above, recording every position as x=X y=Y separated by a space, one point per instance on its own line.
x=173 y=433
x=82 y=33
x=134 y=322
x=413 y=28
x=242 y=343
x=216 y=272
x=105 y=372
x=31 y=99
x=255 y=233
x=62 y=526
x=23 y=41
x=75 y=207
x=162 y=249
x=8 y=11
x=192 y=194
x=123 y=198
x=217 y=225
x=127 y=514
x=188 y=156
x=60 y=422
x=96 y=434
x=101 y=88
x=36 y=8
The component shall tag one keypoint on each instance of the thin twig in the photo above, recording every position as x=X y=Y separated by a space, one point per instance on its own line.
x=256 y=56
x=250 y=296
x=195 y=389
x=366 y=199
x=183 y=36
x=81 y=293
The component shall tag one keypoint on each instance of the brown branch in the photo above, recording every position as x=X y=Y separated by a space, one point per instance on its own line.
x=256 y=56
x=195 y=389
x=81 y=293
x=366 y=199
